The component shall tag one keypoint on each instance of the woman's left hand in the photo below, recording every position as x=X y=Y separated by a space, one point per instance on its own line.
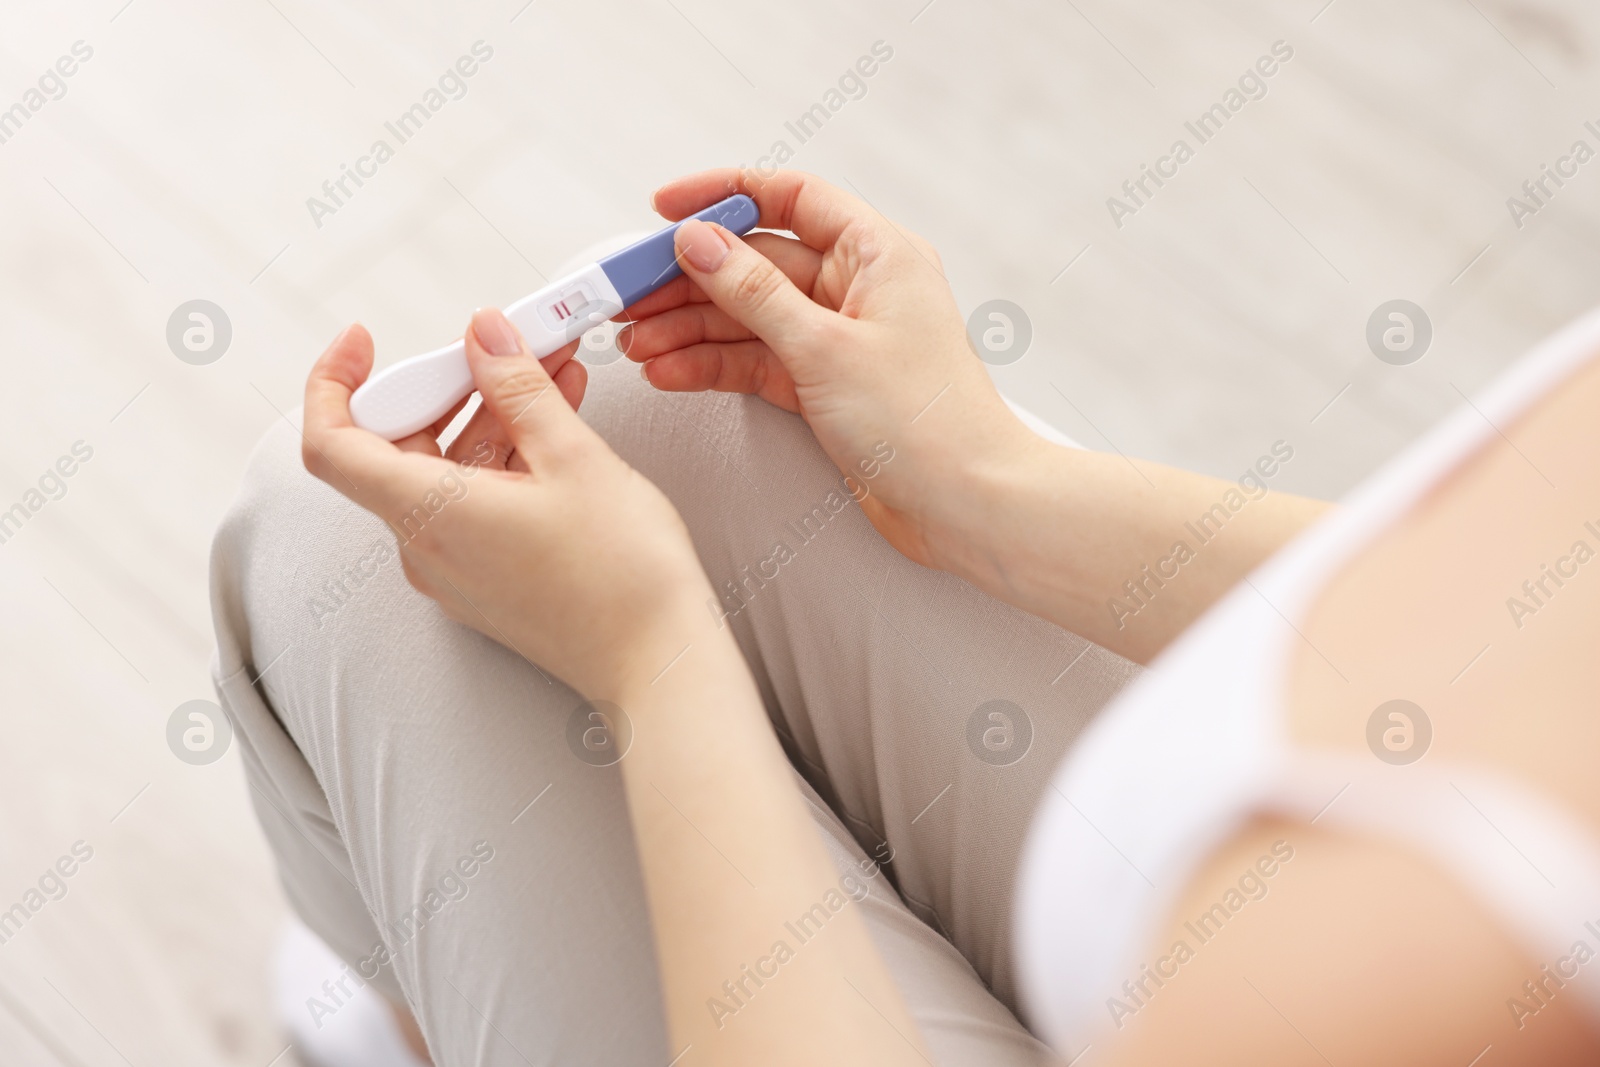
x=574 y=559
x=530 y=528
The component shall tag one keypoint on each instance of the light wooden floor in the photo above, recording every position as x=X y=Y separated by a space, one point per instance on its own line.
x=1227 y=314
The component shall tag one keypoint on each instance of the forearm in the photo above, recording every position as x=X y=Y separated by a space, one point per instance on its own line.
x=1123 y=552
x=733 y=867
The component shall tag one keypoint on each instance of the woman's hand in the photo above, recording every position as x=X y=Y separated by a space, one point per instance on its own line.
x=531 y=529
x=852 y=325
x=534 y=532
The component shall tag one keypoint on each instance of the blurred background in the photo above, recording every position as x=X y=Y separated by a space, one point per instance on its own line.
x=1224 y=310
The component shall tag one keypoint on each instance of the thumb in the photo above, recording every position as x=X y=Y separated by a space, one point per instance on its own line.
x=516 y=388
x=748 y=286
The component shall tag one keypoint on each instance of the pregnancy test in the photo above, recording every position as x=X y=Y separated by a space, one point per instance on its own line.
x=417 y=392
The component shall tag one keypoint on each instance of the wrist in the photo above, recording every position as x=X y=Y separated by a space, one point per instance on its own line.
x=983 y=529
x=641 y=637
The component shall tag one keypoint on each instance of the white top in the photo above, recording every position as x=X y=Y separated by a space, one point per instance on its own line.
x=1197 y=747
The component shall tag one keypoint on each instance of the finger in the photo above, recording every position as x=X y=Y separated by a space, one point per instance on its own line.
x=517 y=390
x=422 y=442
x=676 y=293
x=482 y=442
x=553 y=363
x=359 y=464
x=573 y=380
x=679 y=328
x=801 y=264
x=426 y=440
x=749 y=287
x=810 y=208
x=741 y=367
x=338 y=372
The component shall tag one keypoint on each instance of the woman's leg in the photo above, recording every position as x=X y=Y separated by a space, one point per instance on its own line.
x=436 y=809
x=429 y=819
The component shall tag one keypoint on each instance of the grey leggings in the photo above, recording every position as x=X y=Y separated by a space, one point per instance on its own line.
x=438 y=818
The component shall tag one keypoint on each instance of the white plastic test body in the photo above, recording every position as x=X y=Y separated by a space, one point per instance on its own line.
x=415 y=393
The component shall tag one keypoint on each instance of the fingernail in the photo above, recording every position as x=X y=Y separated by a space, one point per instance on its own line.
x=625 y=339
x=644 y=370
x=495 y=332
x=702 y=246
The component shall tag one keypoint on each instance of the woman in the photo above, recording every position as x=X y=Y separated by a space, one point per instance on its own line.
x=778 y=815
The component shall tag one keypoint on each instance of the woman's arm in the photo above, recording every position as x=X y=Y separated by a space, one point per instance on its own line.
x=732 y=863
x=535 y=533
x=852 y=324
x=1123 y=552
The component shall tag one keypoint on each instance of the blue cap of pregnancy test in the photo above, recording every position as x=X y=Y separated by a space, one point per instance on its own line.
x=647 y=265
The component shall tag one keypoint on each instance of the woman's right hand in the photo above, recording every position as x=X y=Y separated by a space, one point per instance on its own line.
x=851 y=324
